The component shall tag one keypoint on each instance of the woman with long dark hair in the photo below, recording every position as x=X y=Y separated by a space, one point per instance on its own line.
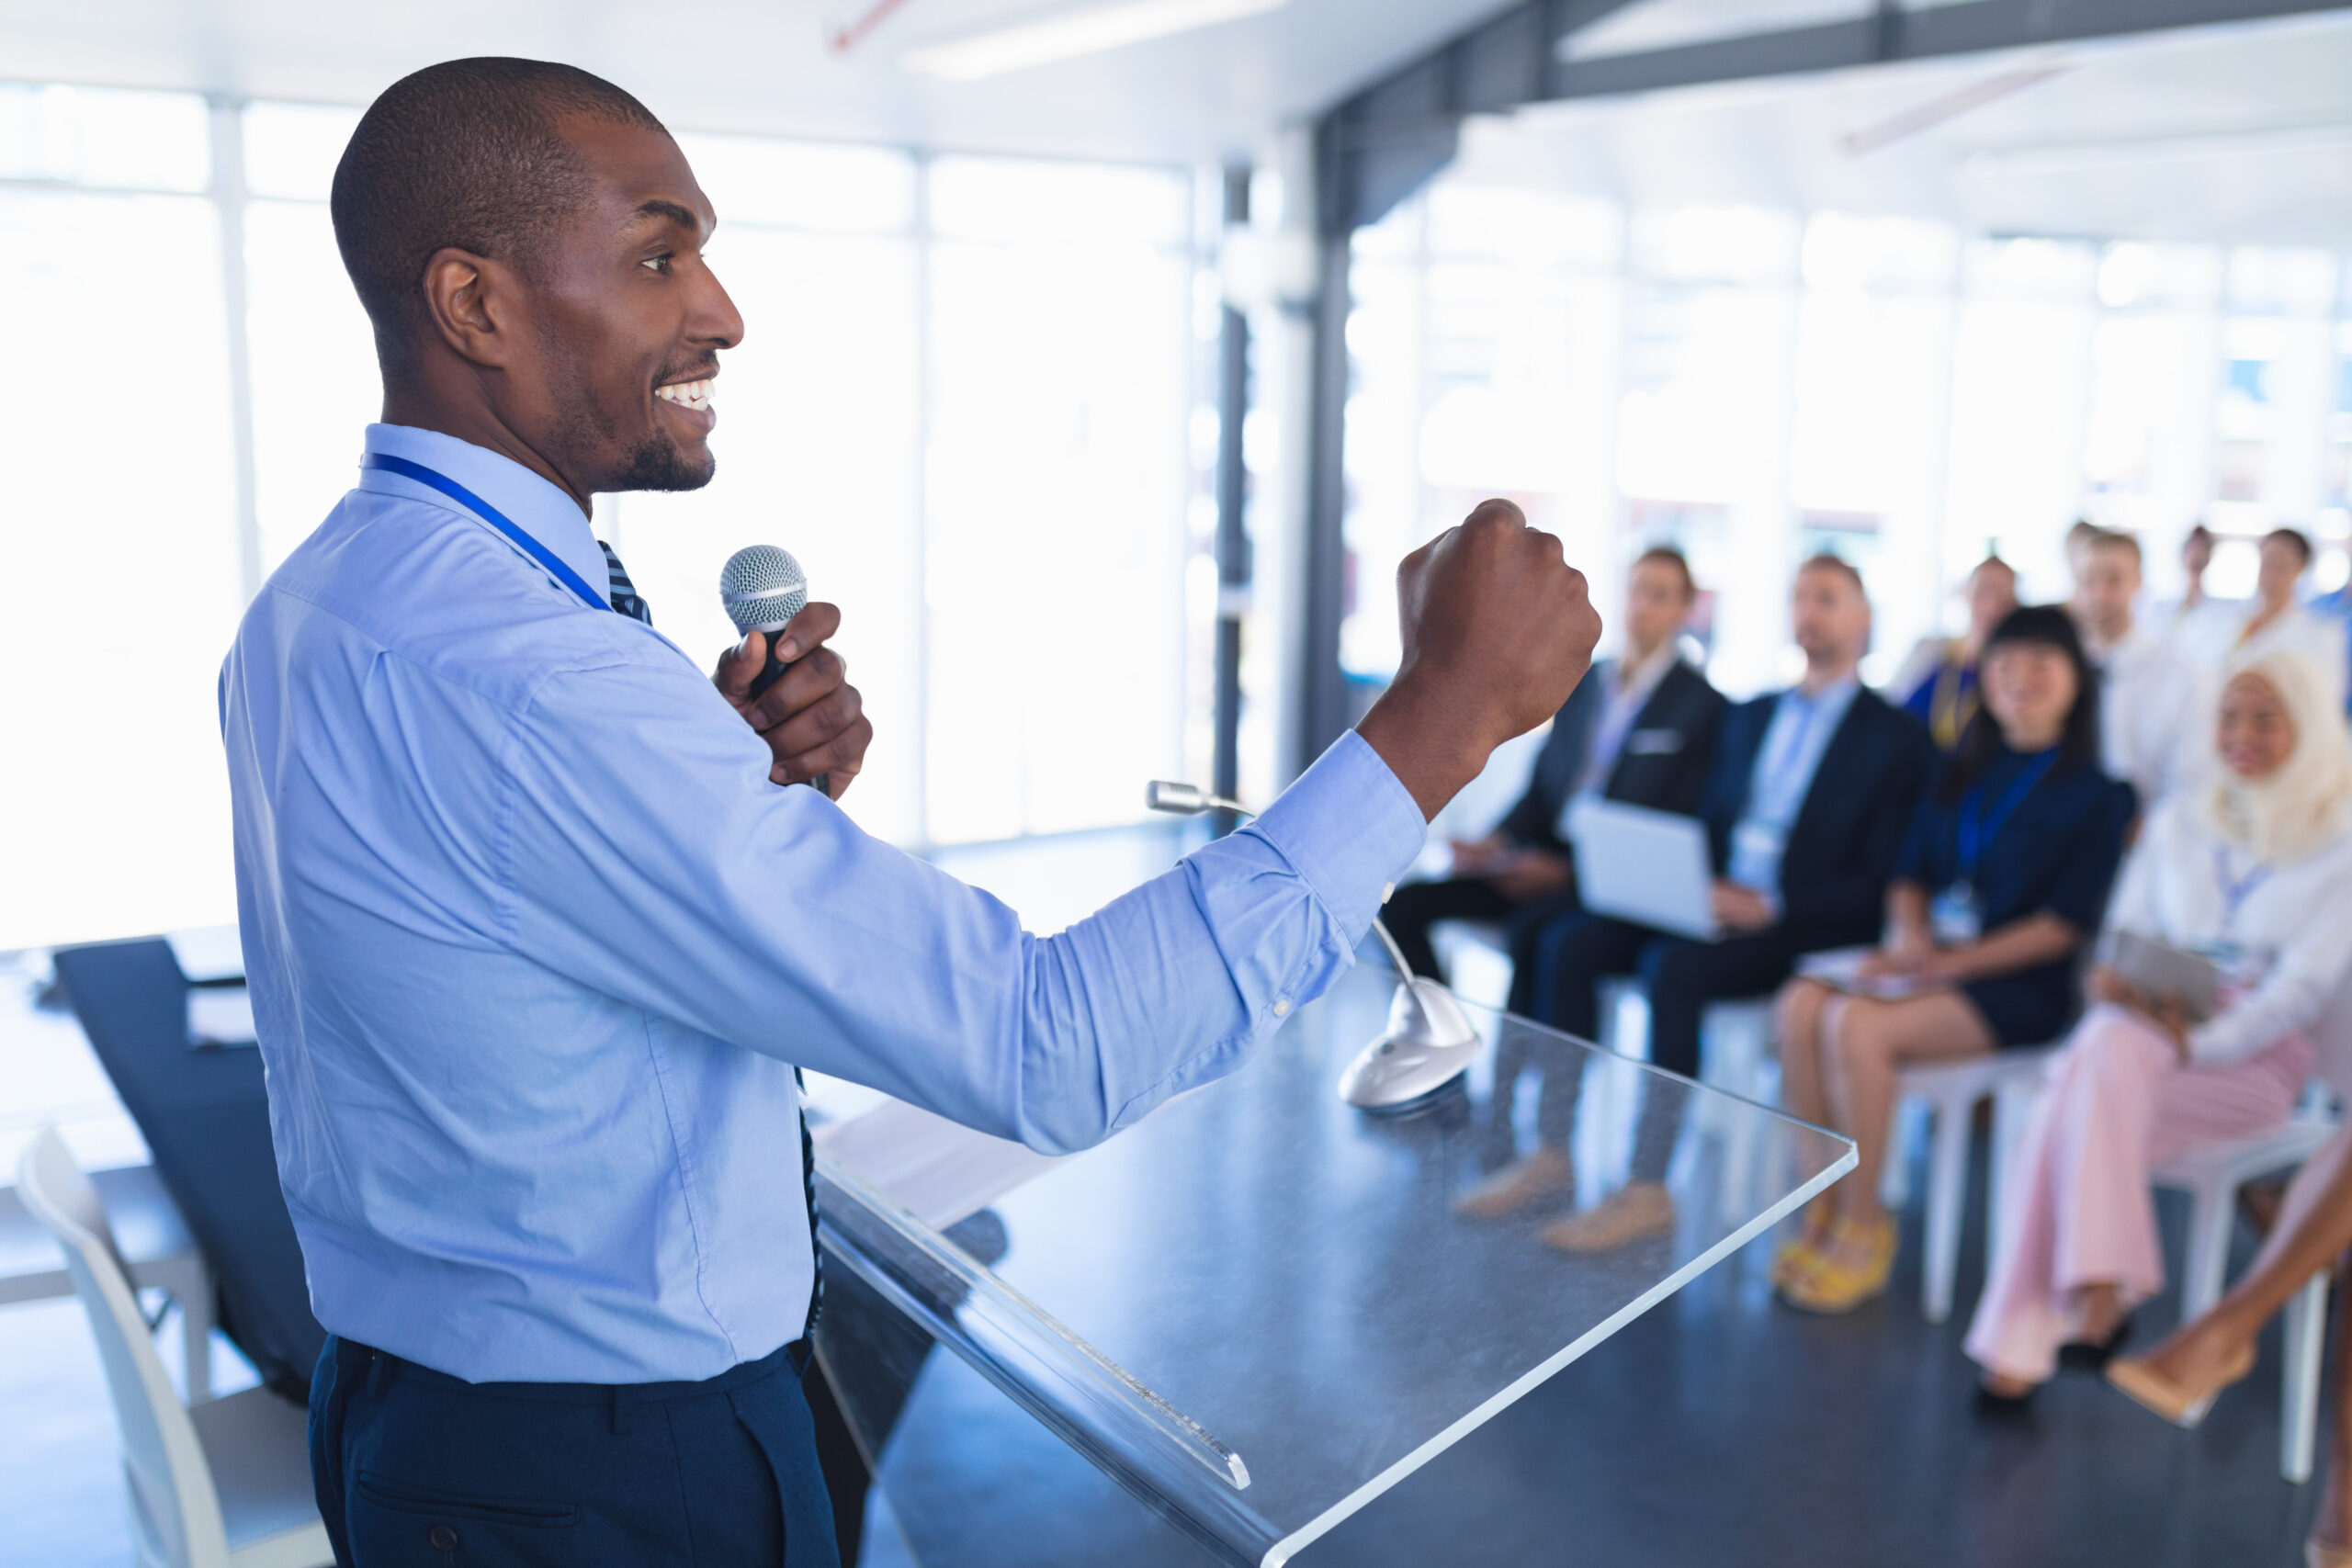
x=2006 y=870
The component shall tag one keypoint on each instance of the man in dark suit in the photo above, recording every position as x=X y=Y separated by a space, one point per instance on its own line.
x=1640 y=729
x=1804 y=807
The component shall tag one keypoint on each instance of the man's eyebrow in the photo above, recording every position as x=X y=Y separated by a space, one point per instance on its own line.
x=675 y=212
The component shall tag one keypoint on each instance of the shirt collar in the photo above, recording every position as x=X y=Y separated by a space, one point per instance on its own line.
x=529 y=501
x=1836 y=695
x=1637 y=679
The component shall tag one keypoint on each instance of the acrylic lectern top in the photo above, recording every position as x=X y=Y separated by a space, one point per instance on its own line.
x=1258 y=1308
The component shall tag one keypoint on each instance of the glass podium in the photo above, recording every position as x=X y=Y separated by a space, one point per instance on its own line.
x=1257 y=1310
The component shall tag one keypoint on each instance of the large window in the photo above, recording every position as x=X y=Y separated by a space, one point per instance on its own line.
x=1754 y=386
x=962 y=401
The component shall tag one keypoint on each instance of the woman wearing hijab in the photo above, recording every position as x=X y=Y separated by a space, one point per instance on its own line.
x=2251 y=872
x=2004 y=871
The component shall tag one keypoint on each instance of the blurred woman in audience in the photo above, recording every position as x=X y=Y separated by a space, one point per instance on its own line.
x=2275 y=620
x=2251 y=870
x=2006 y=870
x=1939 y=680
x=2179 y=1379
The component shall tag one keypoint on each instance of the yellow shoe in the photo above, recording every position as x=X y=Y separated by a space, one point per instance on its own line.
x=1798 y=1258
x=1854 y=1268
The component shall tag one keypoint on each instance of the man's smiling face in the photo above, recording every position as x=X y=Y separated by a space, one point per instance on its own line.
x=629 y=319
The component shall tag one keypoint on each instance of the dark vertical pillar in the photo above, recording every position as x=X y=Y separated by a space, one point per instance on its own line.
x=1323 y=705
x=1233 y=554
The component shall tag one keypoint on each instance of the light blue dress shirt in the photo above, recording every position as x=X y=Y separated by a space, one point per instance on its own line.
x=1793 y=744
x=534 y=943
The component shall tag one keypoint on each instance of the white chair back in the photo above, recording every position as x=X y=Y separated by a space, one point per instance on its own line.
x=175 y=1512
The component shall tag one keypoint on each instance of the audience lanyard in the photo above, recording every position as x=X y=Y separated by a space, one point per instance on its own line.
x=492 y=516
x=2235 y=890
x=1978 y=827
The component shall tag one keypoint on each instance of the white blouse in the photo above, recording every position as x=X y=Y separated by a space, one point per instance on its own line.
x=2185 y=886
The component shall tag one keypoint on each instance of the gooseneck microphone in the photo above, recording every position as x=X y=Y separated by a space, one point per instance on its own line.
x=762 y=587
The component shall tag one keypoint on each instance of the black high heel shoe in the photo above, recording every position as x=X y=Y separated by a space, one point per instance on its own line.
x=2083 y=1356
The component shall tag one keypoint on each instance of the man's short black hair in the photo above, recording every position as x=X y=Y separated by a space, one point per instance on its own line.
x=1674 y=560
x=2294 y=539
x=466 y=153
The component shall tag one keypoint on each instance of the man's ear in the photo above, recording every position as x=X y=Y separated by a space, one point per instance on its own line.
x=471 y=302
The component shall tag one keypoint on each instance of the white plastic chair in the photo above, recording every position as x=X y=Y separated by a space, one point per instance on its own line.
x=1949 y=1093
x=2212 y=1177
x=226 y=1484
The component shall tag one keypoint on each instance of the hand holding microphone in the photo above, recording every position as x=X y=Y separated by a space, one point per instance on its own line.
x=783 y=678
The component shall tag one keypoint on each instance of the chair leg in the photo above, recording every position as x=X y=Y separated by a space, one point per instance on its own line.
x=1947 y=1195
x=196 y=1338
x=2012 y=1105
x=2305 y=1328
x=2208 y=1250
x=1894 y=1171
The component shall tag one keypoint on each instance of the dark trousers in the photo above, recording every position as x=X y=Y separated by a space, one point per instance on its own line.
x=1418 y=905
x=414 y=1467
x=1683 y=977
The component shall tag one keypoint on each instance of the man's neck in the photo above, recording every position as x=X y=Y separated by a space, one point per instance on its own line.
x=478 y=427
x=1820 y=675
x=1633 y=661
x=2112 y=635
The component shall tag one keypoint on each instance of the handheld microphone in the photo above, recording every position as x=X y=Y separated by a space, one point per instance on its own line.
x=762 y=587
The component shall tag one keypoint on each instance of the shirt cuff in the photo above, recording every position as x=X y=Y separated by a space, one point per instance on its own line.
x=1349 y=828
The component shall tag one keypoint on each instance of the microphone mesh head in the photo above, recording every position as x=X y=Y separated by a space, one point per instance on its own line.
x=762 y=587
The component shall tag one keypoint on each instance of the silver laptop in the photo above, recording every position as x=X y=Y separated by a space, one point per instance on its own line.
x=1649 y=867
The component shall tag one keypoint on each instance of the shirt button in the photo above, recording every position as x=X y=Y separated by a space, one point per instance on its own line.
x=1387 y=891
x=1282 y=1007
x=443 y=1537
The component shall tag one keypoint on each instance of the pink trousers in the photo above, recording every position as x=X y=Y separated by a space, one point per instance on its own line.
x=2118 y=1104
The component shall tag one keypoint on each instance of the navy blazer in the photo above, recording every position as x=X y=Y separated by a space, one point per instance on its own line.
x=1841 y=850
x=1663 y=764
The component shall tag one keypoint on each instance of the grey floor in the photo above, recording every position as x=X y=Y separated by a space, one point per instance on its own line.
x=1722 y=1429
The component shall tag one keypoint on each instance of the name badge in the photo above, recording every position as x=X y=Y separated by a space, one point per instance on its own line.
x=1954 y=917
x=1654 y=742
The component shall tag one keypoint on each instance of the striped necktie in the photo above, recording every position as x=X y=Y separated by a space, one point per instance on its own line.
x=627 y=601
x=624 y=592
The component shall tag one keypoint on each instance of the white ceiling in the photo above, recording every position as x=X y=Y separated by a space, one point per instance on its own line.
x=2241 y=133
x=2235 y=133
x=763 y=65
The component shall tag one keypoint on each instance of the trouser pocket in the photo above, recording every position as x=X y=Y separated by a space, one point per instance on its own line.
x=397 y=1524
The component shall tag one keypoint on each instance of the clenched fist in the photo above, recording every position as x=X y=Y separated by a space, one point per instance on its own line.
x=1497 y=629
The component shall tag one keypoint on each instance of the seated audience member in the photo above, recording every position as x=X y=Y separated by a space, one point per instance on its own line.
x=2152 y=701
x=2175 y=615
x=2003 y=874
x=1640 y=729
x=1805 y=809
x=2179 y=1378
x=2274 y=620
x=2249 y=868
x=1939 y=680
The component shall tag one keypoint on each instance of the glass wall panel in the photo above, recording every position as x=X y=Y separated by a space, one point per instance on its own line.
x=1057 y=478
x=103 y=136
x=314 y=380
x=818 y=452
x=123 y=524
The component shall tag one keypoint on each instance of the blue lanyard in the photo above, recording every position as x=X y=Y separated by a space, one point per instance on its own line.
x=2235 y=891
x=492 y=516
x=1978 y=827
